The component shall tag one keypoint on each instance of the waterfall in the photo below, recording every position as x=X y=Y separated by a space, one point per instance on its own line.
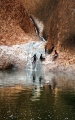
x=43 y=39
x=39 y=26
x=36 y=28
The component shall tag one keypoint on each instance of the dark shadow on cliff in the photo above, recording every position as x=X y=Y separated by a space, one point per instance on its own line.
x=69 y=43
x=44 y=9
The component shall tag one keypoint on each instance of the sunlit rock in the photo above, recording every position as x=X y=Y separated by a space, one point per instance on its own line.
x=16 y=27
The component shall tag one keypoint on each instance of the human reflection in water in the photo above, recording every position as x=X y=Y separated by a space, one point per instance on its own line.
x=40 y=82
x=37 y=85
x=51 y=84
x=40 y=78
x=34 y=77
x=54 y=83
x=37 y=78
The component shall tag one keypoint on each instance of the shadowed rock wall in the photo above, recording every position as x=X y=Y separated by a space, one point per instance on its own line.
x=62 y=25
x=42 y=11
x=58 y=17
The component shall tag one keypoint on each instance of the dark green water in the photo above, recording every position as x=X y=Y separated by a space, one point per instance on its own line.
x=27 y=96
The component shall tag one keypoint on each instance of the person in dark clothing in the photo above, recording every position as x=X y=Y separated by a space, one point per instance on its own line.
x=34 y=58
x=55 y=55
x=42 y=58
x=51 y=50
x=45 y=48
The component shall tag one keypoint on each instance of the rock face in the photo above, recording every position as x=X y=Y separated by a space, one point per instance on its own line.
x=55 y=20
x=42 y=11
x=62 y=25
x=15 y=24
x=16 y=28
x=58 y=17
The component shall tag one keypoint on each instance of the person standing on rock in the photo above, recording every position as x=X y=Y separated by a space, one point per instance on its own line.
x=42 y=58
x=55 y=55
x=45 y=48
x=34 y=58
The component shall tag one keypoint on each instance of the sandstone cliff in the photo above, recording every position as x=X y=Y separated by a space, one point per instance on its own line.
x=15 y=24
x=58 y=17
x=16 y=28
x=54 y=19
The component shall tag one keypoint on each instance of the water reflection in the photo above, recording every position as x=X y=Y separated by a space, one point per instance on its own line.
x=38 y=83
x=34 y=95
